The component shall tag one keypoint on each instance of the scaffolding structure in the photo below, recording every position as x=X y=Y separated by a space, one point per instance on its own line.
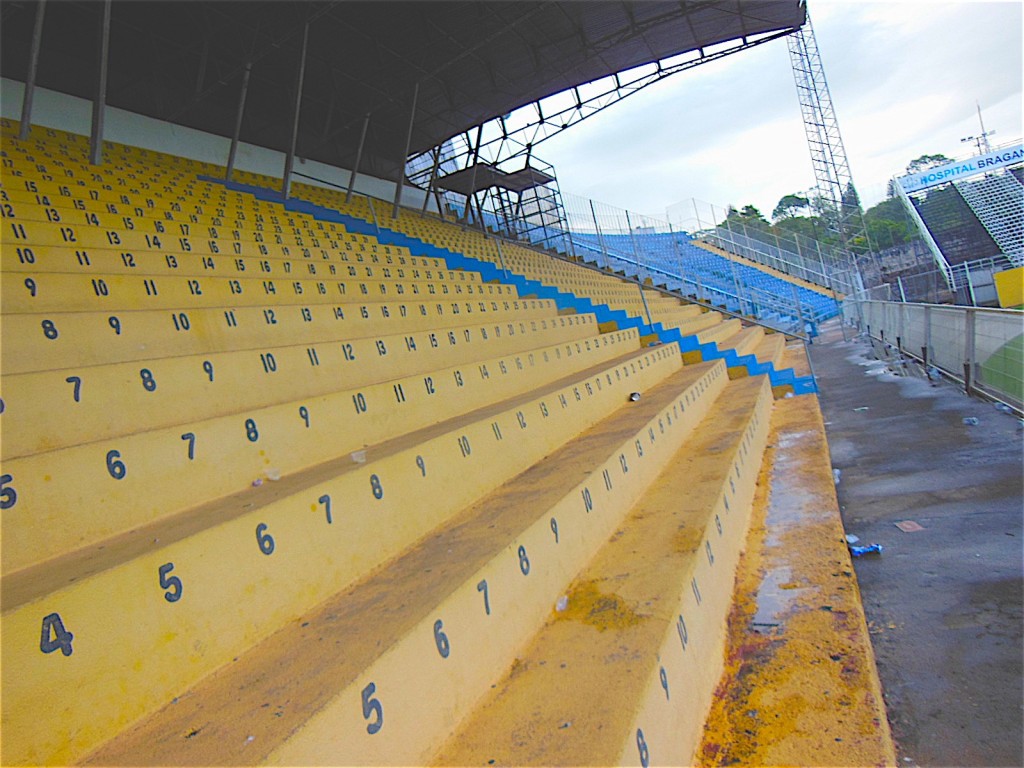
x=837 y=201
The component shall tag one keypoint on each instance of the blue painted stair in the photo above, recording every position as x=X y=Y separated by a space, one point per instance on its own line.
x=802 y=385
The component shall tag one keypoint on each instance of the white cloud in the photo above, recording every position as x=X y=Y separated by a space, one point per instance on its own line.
x=904 y=79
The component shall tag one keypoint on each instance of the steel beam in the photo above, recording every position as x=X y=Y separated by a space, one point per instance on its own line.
x=359 y=158
x=238 y=122
x=289 y=161
x=400 y=181
x=100 y=103
x=433 y=178
x=30 y=79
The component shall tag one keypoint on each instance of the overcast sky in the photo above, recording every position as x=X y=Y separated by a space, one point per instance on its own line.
x=904 y=76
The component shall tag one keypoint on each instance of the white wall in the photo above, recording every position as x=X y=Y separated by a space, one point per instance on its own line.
x=70 y=113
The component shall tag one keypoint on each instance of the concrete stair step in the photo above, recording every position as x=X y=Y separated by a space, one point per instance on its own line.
x=409 y=649
x=625 y=674
x=251 y=563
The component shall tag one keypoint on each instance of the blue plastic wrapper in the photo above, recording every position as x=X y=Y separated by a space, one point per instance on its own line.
x=870 y=549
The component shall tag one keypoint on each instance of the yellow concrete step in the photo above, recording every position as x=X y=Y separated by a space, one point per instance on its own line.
x=804 y=690
x=38 y=342
x=424 y=637
x=206 y=459
x=138 y=233
x=721 y=332
x=698 y=323
x=174 y=261
x=198 y=588
x=68 y=292
x=770 y=350
x=55 y=409
x=745 y=342
x=625 y=674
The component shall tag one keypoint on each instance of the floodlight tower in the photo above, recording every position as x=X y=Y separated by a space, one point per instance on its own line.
x=831 y=170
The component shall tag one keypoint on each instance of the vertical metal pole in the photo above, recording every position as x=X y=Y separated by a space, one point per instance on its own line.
x=433 y=178
x=238 y=122
x=373 y=213
x=100 y=104
x=600 y=237
x=472 y=176
x=970 y=284
x=203 y=61
x=501 y=257
x=696 y=213
x=405 y=155
x=969 y=326
x=926 y=353
x=289 y=161
x=799 y=312
x=643 y=300
x=480 y=214
x=679 y=259
x=636 y=251
x=359 y=159
x=903 y=293
x=736 y=284
x=30 y=78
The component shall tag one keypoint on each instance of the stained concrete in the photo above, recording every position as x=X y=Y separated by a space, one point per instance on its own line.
x=944 y=604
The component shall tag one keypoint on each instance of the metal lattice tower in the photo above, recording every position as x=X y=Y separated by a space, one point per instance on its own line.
x=841 y=206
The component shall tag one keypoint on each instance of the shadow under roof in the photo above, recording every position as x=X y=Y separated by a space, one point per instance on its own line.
x=183 y=62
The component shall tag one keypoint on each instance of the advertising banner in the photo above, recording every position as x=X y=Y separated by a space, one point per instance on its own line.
x=962 y=169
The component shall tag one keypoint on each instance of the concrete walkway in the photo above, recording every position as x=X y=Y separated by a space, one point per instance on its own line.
x=943 y=603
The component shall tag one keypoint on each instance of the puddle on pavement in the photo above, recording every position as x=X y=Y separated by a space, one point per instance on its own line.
x=775 y=596
x=788 y=508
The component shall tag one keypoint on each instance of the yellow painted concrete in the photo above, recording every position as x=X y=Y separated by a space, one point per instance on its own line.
x=66 y=292
x=588 y=688
x=1010 y=287
x=224 y=460
x=238 y=594
x=67 y=406
x=805 y=692
x=95 y=338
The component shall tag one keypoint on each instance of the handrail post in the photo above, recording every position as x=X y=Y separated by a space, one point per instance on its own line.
x=969 y=352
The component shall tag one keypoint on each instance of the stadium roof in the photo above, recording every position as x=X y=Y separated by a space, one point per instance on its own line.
x=183 y=62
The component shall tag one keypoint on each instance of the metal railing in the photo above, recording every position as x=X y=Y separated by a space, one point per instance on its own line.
x=981 y=348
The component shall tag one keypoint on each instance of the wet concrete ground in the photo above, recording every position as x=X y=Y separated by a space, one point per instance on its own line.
x=944 y=604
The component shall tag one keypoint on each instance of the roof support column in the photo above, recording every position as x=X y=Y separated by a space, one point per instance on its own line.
x=359 y=159
x=289 y=161
x=100 y=103
x=440 y=203
x=400 y=182
x=238 y=122
x=472 y=177
x=433 y=178
x=30 y=79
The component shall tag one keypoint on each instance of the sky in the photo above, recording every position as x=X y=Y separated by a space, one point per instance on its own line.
x=905 y=77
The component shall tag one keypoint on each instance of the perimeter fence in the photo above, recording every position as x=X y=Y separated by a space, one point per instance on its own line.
x=981 y=348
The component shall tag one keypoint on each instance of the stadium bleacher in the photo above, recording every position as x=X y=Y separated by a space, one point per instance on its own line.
x=282 y=485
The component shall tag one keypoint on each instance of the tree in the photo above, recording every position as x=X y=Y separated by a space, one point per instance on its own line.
x=925 y=162
x=789 y=206
x=748 y=216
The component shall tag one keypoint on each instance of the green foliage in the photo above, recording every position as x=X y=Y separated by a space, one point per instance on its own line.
x=749 y=216
x=925 y=162
x=789 y=206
